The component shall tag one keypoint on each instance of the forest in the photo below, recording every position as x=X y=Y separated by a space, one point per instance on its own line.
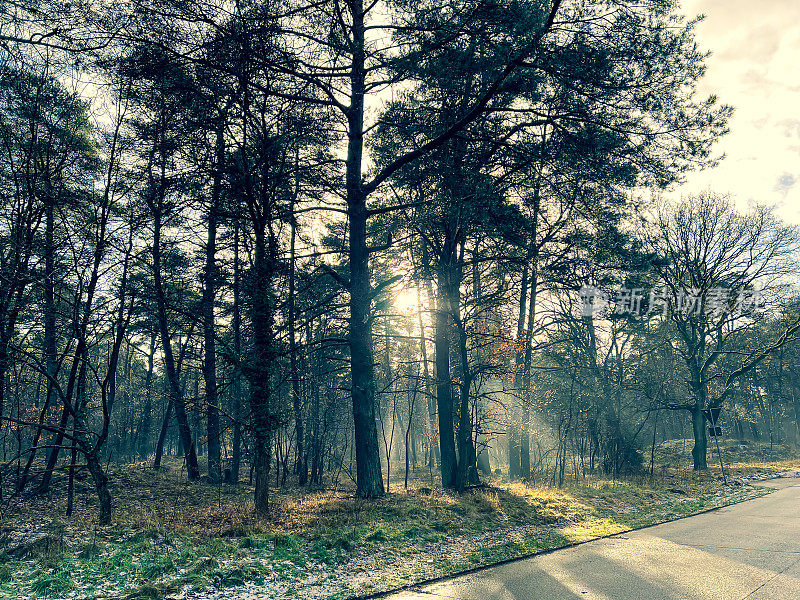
x=285 y=246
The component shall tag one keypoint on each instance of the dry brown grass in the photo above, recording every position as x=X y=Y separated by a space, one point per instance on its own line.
x=162 y=523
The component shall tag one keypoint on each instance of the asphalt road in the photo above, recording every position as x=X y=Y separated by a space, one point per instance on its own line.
x=750 y=550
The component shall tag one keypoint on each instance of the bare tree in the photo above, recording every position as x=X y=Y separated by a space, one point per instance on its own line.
x=720 y=271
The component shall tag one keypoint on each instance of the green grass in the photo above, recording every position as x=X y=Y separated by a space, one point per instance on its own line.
x=167 y=535
x=53 y=584
x=6 y=574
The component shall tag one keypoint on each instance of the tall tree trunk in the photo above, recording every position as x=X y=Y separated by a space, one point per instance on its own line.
x=315 y=439
x=175 y=391
x=466 y=472
x=434 y=455
x=237 y=348
x=444 y=389
x=514 y=465
x=261 y=206
x=412 y=397
x=80 y=402
x=387 y=388
x=49 y=324
x=429 y=400
x=49 y=348
x=369 y=480
x=525 y=436
x=147 y=412
x=3 y=369
x=479 y=438
x=209 y=346
x=301 y=464
x=260 y=377
x=68 y=410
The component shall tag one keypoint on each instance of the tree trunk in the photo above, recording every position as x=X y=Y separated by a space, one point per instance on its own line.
x=444 y=391
x=101 y=488
x=369 y=481
x=51 y=367
x=479 y=442
x=700 y=440
x=209 y=345
x=80 y=401
x=412 y=397
x=175 y=391
x=162 y=436
x=261 y=375
x=525 y=436
x=3 y=369
x=434 y=455
x=300 y=466
x=525 y=441
x=147 y=413
x=67 y=409
x=237 y=348
x=466 y=472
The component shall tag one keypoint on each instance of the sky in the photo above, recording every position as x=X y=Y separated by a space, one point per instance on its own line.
x=755 y=67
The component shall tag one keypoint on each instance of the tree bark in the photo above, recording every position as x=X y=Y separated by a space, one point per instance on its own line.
x=162 y=436
x=49 y=348
x=147 y=412
x=700 y=441
x=466 y=472
x=301 y=464
x=369 y=480
x=434 y=455
x=796 y=407
x=260 y=378
x=175 y=392
x=444 y=390
x=237 y=348
x=209 y=345
x=525 y=436
x=101 y=488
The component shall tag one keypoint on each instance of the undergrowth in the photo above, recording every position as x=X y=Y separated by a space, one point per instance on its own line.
x=169 y=535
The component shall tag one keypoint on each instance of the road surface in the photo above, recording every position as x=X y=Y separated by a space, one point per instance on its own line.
x=747 y=551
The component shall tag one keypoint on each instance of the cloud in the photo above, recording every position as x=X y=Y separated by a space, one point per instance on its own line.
x=755 y=82
x=755 y=53
x=785 y=183
x=762 y=43
x=791 y=127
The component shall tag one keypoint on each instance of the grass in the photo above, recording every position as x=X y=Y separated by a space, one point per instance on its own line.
x=53 y=584
x=168 y=535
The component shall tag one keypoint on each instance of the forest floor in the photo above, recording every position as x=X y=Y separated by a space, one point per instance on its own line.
x=173 y=539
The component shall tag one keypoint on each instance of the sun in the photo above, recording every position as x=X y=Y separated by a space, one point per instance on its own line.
x=406 y=300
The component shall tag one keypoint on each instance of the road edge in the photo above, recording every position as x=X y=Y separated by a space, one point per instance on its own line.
x=506 y=561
